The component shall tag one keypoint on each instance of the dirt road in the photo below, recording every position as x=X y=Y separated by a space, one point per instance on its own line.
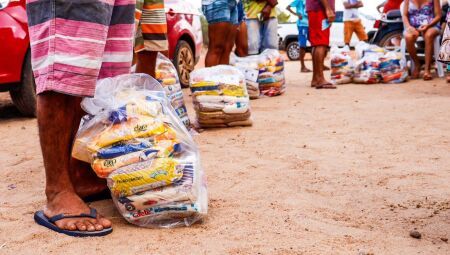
x=350 y=171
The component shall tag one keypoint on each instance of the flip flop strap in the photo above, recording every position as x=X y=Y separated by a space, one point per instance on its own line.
x=92 y=214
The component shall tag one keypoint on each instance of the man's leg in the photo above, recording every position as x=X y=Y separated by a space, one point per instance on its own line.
x=348 y=32
x=302 y=41
x=242 y=40
x=217 y=43
x=229 y=44
x=361 y=32
x=146 y=62
x=56 y=116
x=320 y=53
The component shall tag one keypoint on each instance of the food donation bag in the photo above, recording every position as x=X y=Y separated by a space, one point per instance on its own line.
x=367 y=69
x=393 y=68
x=133 y=137
x=249 y=66
x=220 y=97
x=342 y=67
x=271 y=77
x=167 y=75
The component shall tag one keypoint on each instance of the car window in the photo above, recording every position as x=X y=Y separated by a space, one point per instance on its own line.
x=339 y=16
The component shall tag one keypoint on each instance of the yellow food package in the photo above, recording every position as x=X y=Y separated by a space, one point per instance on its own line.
x=141 y=126
x=233 y=90
x=169 y=81
x=203 y=84
x=147 y=175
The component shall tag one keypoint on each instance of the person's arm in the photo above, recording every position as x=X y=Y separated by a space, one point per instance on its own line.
x=289 y=8
x=329 y=11
x=381 y=6
x=270 y=4
x=405 y=15
x=357 y=5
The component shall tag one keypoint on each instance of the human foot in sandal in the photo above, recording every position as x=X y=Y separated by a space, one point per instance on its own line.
x=427 y=76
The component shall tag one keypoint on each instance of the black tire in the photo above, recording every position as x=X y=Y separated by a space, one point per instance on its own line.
x=184 y=61
x=24 y=96
x=386 y=41
x=293 y=51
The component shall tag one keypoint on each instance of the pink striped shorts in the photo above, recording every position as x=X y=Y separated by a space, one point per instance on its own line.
x=74 y=43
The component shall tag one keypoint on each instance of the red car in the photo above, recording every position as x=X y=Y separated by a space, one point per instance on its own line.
x=185 y=45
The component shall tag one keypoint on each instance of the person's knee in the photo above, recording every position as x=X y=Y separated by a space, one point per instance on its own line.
x=411 y=37
x=430 y=35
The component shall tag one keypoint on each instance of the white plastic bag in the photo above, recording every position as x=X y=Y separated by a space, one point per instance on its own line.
x=367 y=70
x=342 y=67
x=167 y=75
x=249 y=66
x=271 y=78
x=133 y=137
x=393 y=68
x=220 y=97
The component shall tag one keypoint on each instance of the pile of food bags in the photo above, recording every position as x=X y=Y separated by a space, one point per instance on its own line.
x=220 y=97
x=249 y=66
x=342 y=68
x=271 y=77
x=133 y=137
x=367 y=68
x=393 y=68
x=167 y=75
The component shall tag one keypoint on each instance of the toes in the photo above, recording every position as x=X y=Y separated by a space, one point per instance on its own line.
x=71 y=226
x=89 y=225
x=104 y=222
x=81 y=226
x=96 y=224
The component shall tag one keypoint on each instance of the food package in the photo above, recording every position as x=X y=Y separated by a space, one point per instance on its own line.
x=393 y=68
x=220 y=97
x=133 y=137
x=167 y=75
x=363 y=49
x=367 y=70
x=249 y=66
x=342 y=68
x=271 y=77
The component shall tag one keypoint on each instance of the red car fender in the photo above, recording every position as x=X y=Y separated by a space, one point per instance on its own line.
x=15 y=41
x=180 y=28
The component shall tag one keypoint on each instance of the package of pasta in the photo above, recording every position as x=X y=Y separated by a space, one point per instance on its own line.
x=271 y=77
x=133 y=137
x=220 y=97
x=167 y=75
x=393 y=68
x=342 y=68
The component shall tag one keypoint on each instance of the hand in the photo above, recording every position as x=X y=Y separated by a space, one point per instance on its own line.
x=266 y=12
x=331 y=15
x=300 y=17
x=423 y=28
x=411 y=29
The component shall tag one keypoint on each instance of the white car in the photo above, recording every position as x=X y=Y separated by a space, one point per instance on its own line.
x=288 y=34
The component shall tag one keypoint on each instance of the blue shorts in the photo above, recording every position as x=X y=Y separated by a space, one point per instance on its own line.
x=302 y=36
x=241 y=12
x=221 y=11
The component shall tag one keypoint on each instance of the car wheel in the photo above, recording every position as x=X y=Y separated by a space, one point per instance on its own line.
x=293 y=50
x=24 y=96
x=391 y=40
x=184 y=61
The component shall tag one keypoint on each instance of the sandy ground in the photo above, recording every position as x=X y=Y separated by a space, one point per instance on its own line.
x=349 y=171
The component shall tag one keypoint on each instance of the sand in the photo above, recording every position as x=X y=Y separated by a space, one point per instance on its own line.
x=350 y=171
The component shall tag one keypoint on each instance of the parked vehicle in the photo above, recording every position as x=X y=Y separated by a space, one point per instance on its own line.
x=185 y=45
x=288 y=34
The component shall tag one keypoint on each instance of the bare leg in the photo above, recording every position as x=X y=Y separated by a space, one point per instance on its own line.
x=429 y=37
x=146 y=62
x=229 y=44
x=319 y=78
x=55 y=120
x=217 y=42
x=242 y=40
x=303 y=67
x=411 y=38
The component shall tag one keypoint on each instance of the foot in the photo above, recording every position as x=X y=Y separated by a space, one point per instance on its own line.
x=324 y=84
x=427 y=76
x=305 y=70
x=416 y=72
x=448 y=78
x=69 y=203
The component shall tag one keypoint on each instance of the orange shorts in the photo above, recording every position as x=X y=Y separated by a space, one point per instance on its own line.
x=356 y=27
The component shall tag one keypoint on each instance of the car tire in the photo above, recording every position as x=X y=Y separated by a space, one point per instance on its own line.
x=24 y=96
x=293 y=51
x=184 y=61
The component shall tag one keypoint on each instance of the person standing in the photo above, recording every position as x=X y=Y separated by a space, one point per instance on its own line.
x=302 y=25
x=222 y=17
x=352 y=21
x=321 y=14
x=242 y=32
x=262 y=25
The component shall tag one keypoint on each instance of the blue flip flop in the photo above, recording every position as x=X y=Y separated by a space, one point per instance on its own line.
x=49 y=223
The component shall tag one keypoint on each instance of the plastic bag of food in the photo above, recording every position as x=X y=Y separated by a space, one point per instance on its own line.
x=342 y=67
x=393 y=68
x=249 y=66
x=167 y=75
x=367 y=70
x=271 y=78
x=133 y=137
x=363 y=49
x=220 y=97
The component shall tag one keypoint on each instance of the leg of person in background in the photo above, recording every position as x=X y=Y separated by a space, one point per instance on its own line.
x=429 y=37
x=217 y=34
x=270 y=34
x=146 y=62
x=411 y=38
x=348 y=32
x=360 y=32
x=254 y=36
x=242 y=40
x=302 y=41
x=232 y=31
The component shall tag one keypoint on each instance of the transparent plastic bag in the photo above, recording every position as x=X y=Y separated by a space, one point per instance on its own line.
x=220 y=97
x=271 y=78
x=367 y=70
x=393 y=68
x=342 y=66
x=249 y=66
x=167 y=75
x=133 y=137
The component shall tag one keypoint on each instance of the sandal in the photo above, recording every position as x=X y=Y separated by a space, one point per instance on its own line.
x=427 y=77
x=326 y=86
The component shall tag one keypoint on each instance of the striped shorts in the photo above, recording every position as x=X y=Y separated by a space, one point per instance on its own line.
x=151 y=33
x=76 y=42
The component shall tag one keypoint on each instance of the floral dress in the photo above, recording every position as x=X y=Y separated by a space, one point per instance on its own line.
x=444 y=55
